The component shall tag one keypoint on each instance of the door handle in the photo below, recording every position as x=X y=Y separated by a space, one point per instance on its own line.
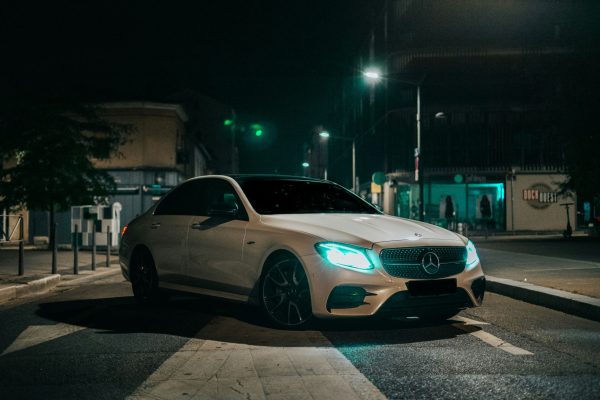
x=197 y=225
x=155 y=225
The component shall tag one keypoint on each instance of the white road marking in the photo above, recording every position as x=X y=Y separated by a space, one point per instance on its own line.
x=38 y=334
x=488 y=338
x=233 y=359
x=469 y=321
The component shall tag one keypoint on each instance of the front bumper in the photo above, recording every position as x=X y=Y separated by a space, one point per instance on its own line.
x=383 y=292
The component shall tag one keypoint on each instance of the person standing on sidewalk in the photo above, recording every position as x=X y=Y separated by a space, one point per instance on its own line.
x=449 y=213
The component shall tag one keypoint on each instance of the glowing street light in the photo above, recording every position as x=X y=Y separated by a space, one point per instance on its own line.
x=325 y=135
x=372 y=75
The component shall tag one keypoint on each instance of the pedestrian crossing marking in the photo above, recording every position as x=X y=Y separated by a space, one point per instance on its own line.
x=229 y=358
x=38 y=334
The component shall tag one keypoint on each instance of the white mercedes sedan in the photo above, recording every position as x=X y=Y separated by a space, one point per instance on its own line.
x=297 y=247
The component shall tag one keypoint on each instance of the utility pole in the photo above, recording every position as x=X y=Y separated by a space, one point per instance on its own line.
x=418 y=161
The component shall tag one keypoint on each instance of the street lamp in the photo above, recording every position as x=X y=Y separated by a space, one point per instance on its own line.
x=373 y=76
x=326 y=136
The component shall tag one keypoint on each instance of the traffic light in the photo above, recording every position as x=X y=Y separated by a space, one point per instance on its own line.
x=257 y=129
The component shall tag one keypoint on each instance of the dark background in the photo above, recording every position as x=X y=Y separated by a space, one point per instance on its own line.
x=276 y=62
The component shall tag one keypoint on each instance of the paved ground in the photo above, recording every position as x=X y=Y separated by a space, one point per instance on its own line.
x=570 y=265
x=94 y=342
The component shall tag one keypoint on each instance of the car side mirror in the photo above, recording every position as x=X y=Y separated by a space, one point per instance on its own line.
x=223 y=210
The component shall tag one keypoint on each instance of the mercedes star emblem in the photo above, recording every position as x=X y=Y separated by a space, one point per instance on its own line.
x=430 y=263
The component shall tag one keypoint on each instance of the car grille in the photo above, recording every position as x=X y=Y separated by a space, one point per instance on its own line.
x=406 y=262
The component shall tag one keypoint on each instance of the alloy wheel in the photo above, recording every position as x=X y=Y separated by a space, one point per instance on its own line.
x=286 y=294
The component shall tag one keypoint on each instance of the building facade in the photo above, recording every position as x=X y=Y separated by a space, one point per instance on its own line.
x=158 y=154
x=496 y=82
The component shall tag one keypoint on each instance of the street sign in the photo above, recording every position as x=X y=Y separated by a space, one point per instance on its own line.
x=379 y=178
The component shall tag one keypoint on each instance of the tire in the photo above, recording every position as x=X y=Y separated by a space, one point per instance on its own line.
x=144 y=279
x=284 y=294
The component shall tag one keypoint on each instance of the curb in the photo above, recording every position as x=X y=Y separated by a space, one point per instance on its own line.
x=26 y=289
x=46 y=283
x=72 y=280
x=570 y=303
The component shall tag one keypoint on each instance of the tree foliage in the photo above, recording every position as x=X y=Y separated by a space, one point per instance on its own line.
x=48 y=151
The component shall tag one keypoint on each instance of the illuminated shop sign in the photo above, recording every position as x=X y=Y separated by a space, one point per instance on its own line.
x=540 y=196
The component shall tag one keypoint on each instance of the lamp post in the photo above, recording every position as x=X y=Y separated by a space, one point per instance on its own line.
x=326 y=136
x=374 y=76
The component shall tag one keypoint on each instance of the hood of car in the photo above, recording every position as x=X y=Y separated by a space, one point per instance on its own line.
x=361 y=228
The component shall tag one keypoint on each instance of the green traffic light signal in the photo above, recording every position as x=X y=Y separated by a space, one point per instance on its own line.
x=228 y=122
x=257 y=129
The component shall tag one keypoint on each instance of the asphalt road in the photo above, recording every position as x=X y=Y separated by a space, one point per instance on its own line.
x=94 y=342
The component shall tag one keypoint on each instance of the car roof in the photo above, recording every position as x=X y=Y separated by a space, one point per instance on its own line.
x=240 y=178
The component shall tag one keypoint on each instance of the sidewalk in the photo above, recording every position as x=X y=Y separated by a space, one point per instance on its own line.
x=38 y=277
x=552 y=272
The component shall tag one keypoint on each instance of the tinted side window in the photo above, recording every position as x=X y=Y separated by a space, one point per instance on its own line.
x=197 y=196
x=179 y=201
x=213 y=191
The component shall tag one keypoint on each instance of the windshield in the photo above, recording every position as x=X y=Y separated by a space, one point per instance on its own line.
x=277 y=196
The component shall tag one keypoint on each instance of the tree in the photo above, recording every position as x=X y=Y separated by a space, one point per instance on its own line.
x=47 y=152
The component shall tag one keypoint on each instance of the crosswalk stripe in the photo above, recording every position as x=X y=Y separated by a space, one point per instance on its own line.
x=38 y=334
x=229 y=358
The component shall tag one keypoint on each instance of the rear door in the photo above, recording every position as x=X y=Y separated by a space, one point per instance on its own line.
x=167 y=231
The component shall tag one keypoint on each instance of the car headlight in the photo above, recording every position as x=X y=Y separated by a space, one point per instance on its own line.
x=345 y=255
x=472 y=257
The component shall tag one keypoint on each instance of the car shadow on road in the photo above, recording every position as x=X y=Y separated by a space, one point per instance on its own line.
x=230 y=322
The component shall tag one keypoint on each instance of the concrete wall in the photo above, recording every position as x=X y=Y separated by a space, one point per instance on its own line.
x=533 y=214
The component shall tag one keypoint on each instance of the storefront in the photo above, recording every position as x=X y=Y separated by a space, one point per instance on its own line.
x=482 y=200
x=538 y=204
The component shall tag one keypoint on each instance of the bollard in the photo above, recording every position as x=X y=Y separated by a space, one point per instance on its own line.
x=76 y=251
x=21 y=247
x=54 y=249
x=108 y=240
x=94 y=249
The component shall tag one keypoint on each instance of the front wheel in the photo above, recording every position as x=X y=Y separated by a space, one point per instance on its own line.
x=285 y=294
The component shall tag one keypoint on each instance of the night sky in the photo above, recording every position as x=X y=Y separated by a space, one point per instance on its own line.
x=276 y=62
